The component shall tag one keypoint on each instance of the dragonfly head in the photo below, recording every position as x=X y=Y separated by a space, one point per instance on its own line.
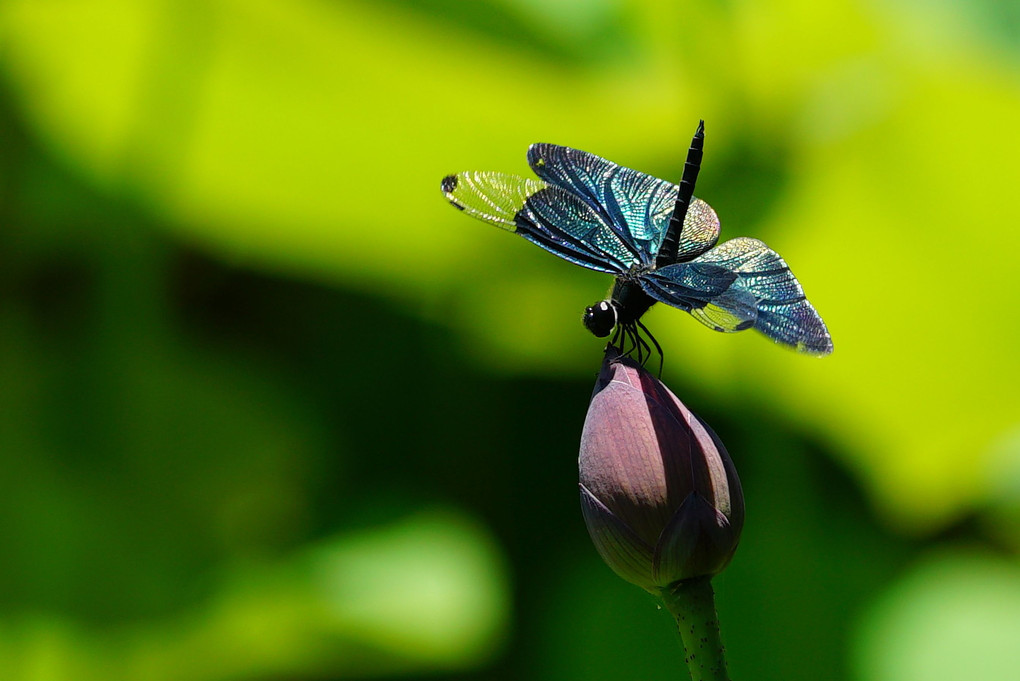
x=600 y=318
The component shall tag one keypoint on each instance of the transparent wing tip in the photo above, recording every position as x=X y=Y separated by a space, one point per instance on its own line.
x=818 y=345
x=816 y=348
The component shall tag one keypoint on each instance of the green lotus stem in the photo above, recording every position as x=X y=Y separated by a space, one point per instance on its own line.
x=692 y=603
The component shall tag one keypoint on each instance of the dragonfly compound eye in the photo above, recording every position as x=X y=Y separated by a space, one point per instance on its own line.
x=600 y=319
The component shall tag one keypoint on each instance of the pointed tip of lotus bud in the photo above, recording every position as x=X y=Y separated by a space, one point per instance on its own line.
x=660 y=496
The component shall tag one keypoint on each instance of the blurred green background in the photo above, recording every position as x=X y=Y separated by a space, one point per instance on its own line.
x=271 y=409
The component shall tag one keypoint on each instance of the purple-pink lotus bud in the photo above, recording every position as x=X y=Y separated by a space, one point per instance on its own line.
x=659 y=492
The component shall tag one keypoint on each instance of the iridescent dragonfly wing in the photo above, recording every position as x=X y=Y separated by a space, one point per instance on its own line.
x=636 y=205
x=545 y=215
x=784 y=313
x=706 y=291
x=762 y=293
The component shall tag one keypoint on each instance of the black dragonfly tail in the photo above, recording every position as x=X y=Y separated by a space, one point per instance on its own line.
x=671 y=242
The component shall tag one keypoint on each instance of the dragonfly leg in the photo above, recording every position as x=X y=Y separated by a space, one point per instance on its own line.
x=658 y=348
x=617 y=340
x=635 y=346
x=644 y=350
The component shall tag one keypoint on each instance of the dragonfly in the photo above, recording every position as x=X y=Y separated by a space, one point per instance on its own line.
x=657 y=240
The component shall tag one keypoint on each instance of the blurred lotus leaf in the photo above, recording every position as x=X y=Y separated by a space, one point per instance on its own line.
x=951 y=617
x=425 y=594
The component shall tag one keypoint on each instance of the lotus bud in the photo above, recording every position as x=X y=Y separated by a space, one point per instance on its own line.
x=659 y=493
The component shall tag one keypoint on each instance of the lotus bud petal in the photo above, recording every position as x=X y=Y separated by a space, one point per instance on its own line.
x=659 y=493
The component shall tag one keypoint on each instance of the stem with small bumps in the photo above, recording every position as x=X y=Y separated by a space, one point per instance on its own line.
x=692 y=603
